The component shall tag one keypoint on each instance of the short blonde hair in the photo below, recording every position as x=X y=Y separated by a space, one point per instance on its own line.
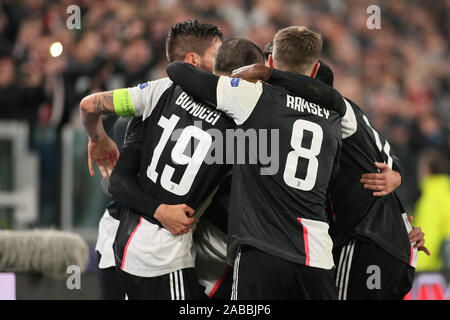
x=296 y=48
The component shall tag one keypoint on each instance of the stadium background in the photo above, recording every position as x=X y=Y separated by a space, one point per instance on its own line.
x=399 y=74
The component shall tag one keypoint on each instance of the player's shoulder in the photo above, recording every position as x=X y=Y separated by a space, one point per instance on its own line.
x=161 y=84
x=273 y=90
x=328 y=96
x=238 y=84
x=356 y=110
x=149 y=94
x=150 y=90
x=318 y=88
x=353 y=104
x=319 y=93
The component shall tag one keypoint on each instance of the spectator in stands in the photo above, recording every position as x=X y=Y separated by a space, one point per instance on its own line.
x=432 y=210
x=400 y=73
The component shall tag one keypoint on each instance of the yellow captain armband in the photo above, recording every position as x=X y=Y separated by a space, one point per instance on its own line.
x=122 y=103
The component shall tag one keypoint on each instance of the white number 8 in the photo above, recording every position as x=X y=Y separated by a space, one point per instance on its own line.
x=310 y=154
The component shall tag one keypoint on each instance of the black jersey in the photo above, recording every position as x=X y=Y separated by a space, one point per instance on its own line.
x=278 y=208
x=177 y=140
x=282 y=212
x=356 y=210
x=177 y=136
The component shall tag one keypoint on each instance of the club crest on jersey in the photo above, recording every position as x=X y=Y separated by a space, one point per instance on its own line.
x=143 y=85
x=235 y=82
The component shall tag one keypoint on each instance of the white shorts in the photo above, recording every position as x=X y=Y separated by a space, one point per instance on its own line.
x=107 y=230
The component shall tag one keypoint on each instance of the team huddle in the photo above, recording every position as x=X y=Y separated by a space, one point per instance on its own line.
x=306 y=221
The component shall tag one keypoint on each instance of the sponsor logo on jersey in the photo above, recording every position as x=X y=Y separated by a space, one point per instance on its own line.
x=143 y=85
x=235 y=82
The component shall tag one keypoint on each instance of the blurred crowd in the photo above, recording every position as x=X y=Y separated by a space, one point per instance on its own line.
x=399 y=74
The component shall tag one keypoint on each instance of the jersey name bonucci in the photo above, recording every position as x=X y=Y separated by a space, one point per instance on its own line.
x=176 y=141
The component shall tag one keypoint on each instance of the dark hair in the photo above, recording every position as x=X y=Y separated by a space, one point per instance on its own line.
x=434 y=160
x=190 y=36
x=325 y=74
x=268 y=48
x=236 y=53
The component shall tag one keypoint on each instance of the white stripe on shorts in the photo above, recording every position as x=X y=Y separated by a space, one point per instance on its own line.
x=172 y=295
x=348 y=270
x=180 y=272
x=343 y=273
x=234 y=289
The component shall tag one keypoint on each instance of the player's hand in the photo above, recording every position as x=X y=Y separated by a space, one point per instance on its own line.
x=416 y=235
x=104 y=152
x=178 y=219
x=253 y=73
x=383 y=182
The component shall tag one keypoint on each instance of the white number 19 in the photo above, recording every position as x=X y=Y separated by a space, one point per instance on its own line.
x=193 y=162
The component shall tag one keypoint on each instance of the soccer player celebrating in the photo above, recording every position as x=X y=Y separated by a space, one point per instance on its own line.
x=278 y=230
x=370 y=231
x=154 y=263
x=375 y=245
x=210 y=242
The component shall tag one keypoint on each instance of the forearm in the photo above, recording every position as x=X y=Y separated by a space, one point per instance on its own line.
x=93 y=125
x=198 y=83
x=124 y=186
x=92 y=108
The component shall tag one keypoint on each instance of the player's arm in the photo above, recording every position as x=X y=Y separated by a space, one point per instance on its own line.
x=418 y=237
x=300 y=85
x=235 y=97
x=101 y=148
x=124 y=186
x=125 y=102
x=198 y=83
x=383 y=182
x=386 y=180
x=93 y=106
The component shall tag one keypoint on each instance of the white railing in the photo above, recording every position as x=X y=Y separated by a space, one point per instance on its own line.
x=67 y=177
x=70 y=177
x=24 y=196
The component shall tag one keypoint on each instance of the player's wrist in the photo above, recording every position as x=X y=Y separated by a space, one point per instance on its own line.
x=265 y=72
x=159 y=212
x=97 y=137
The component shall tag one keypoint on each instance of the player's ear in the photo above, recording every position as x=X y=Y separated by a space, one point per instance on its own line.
x=271 y=61
x=315 y=70
x=192 y=58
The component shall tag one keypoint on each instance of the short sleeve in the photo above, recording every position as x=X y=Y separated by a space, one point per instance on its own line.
x=142 y=99
x=237 y=97
x=348 y=121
